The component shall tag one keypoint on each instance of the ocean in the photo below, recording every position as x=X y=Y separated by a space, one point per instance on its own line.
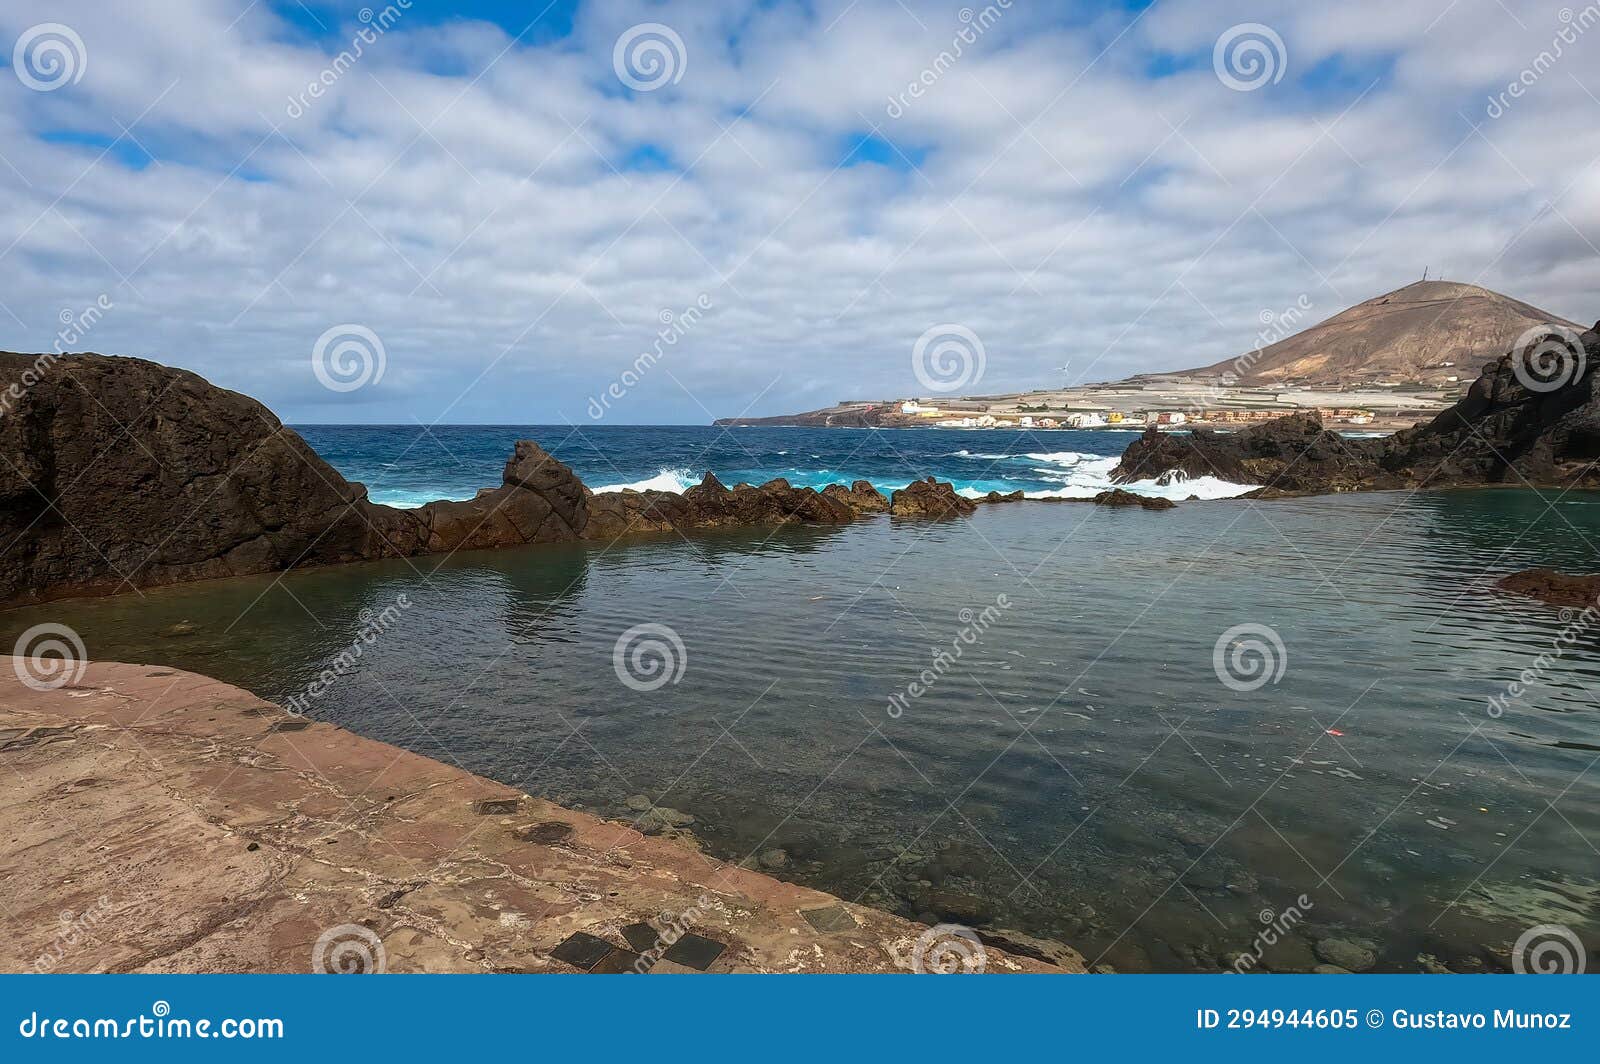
x=1032 y=719
x=411 y=465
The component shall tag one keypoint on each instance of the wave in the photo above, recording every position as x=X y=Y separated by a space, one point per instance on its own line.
x=673 y=480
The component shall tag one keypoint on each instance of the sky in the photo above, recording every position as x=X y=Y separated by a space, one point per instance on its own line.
x=520 y=213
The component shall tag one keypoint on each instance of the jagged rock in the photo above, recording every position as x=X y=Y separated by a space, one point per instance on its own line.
x=122 y=473
x=1291 y=454
x=711 y=505
x=1553 y=588
x=540 y=500
x=1532 y=416
x=1119 y=497
x=1012 y=496
x=929 y=498
x=860 y=496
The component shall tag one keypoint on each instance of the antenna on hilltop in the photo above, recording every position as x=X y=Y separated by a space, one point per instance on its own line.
x=1425 y=273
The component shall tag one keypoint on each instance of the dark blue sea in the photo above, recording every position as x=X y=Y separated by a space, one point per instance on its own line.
x=408 y=465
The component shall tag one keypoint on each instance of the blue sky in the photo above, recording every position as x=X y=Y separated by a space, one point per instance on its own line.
x=502 y=207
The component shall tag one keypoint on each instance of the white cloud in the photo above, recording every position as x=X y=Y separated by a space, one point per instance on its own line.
x=1086 y=190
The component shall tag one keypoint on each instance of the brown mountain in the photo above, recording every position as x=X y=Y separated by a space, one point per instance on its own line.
x=1407 y=335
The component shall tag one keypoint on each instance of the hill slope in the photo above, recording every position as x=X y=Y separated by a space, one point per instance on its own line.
x=1405 y=335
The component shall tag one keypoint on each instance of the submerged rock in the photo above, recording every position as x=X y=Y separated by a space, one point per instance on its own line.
x=1119 y=497
x=1553 y=588
x=1356 y=955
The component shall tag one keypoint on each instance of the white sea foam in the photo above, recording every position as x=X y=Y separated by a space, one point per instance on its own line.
x=1083 y=476
x=673 y=480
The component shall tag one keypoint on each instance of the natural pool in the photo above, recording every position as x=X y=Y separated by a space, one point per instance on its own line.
x=1080 y=773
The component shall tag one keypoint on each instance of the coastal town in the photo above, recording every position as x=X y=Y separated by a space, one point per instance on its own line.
x=1160 y=401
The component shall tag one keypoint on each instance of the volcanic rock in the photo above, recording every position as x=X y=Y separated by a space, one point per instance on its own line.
x=1119 y=497
x=860 y=496
x=1292 y=454
x=1553 y=588
x=929 y=498
x=1532 y=417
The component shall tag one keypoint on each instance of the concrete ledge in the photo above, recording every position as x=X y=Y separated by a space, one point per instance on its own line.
x=155 y=820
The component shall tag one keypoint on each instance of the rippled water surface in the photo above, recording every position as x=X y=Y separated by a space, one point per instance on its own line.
x=1079 y=773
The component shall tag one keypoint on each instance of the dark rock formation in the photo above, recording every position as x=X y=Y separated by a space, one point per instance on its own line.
x=1531 y=417
x=929 y=498
x=711 y=505
x=1556 y=589
x=1118 y=497
x=540 y=500
x=860 y=496
x=1292 y=454
x=1010 y=496
x=119 y=473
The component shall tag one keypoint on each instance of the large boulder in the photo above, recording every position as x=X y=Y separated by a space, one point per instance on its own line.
x=1552 y=587
x=860 y=496
x=1292 y=454
x=1117 y=498
x=120 y=473
x=930 y=498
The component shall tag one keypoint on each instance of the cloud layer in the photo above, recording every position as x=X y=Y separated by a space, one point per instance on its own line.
x=514 y=222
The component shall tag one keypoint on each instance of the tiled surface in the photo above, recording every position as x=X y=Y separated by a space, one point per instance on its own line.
x=641 y=936
x=617 y=962
x=582 y=950
x=694 y=951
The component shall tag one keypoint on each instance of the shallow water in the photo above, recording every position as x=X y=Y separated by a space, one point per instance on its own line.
x=1081 y=773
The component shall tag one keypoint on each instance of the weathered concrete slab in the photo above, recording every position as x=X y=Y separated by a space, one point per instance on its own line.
x=156 y=820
